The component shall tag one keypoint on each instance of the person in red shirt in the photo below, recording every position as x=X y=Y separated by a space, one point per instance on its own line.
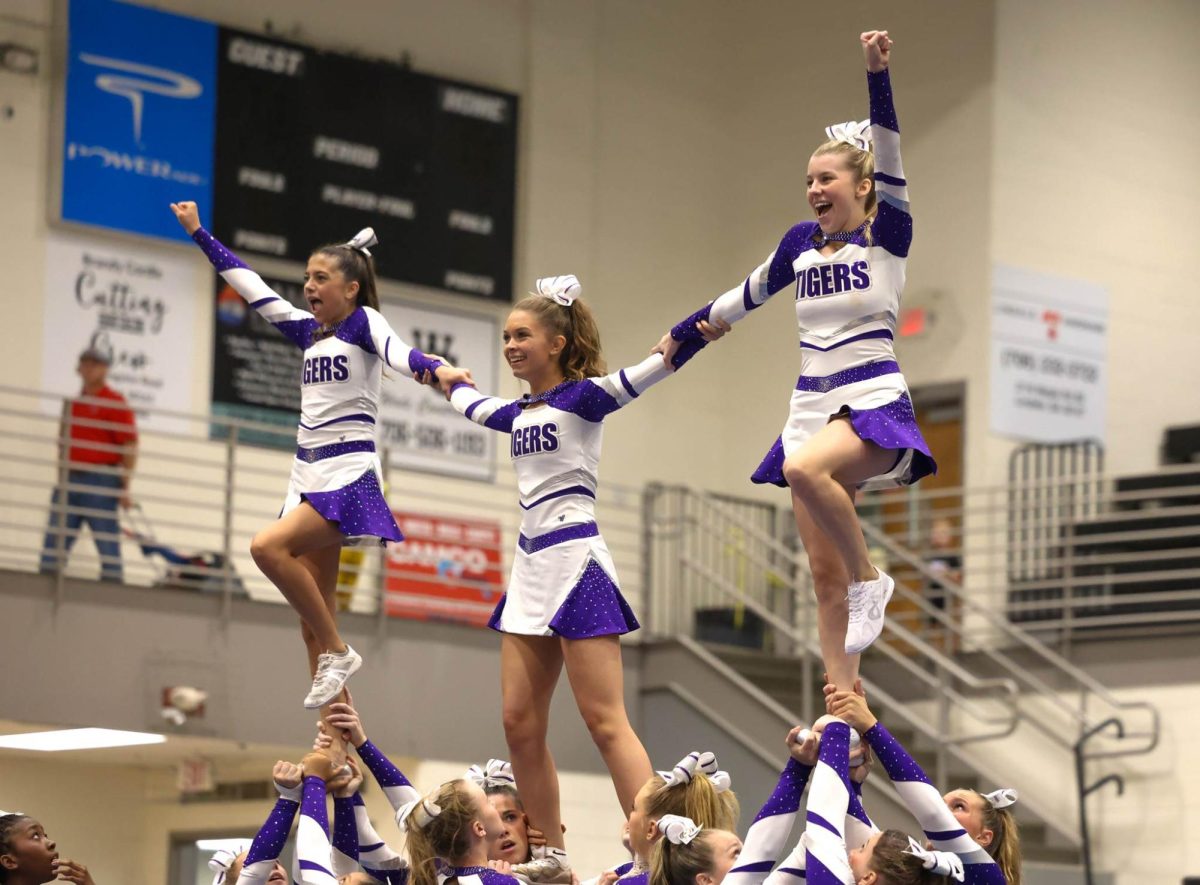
x=100 y=461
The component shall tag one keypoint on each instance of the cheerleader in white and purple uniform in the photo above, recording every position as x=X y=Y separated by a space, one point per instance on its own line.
x=334 y=496
x=976 y=827
x=851 y=424
x=692 y=855
x=563 y=604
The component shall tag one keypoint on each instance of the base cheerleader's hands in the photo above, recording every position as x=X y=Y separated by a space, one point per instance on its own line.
x=69 y=871
x=320 y=764
x=288 y=776
x=343 y=717
x=188 y=215
x=806 y=751
x=346 y=784
x=710 y=332
x=877 y=49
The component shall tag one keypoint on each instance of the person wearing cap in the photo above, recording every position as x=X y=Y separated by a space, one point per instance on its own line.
x=98 y=440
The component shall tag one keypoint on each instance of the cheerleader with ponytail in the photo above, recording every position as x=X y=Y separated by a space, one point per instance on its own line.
x=449 y=833
x=696 y=789
x=977 y=828
x=335 y=496
x=563 y=607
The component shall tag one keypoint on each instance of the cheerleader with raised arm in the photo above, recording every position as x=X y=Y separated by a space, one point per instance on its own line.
x=851 y=424
x=334 y=496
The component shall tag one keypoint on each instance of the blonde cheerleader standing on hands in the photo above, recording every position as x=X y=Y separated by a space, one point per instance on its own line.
x=851 y=423
x=334 y=496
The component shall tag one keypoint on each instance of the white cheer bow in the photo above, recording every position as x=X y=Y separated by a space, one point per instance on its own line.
x=418 y=813
x=677 y=829
x=563 y=289
x=497 y=773
x=362 y=240
x=855 y=134
x=941 y=863
x=223 y=859
x=1002 y=798
x=694 y=762
x=12 y=814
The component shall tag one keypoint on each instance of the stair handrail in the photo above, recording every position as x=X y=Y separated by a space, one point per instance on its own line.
x=1081 y=678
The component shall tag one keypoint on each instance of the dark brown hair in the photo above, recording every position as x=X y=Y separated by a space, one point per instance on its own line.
x=357 y=267
x=8 y=823
x=894 y=864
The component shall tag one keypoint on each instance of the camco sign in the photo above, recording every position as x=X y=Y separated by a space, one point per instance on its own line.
x=447 y=569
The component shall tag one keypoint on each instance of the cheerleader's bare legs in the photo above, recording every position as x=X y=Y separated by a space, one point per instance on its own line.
x=822 y=476
x=529 y=670
x=299 y=553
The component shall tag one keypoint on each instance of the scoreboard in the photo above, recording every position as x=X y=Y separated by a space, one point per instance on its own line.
x=286 y=147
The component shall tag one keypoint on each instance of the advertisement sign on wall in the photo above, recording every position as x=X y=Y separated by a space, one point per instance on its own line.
x=134 y=303
x=139 y=117
x=1049 y=368
x=447 y=569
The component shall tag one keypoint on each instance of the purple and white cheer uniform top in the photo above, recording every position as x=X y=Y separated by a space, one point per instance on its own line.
x=563 y=581
x=847 y=305
x=336 y=469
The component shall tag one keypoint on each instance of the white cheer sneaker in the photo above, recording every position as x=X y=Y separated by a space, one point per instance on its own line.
x=552 y=868
x=332 y=672
x=868 y=599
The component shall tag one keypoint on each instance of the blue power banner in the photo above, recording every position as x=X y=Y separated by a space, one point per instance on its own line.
x=140 y=116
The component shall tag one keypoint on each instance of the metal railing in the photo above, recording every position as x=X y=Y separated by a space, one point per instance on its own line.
x=201 y=495
x=721 y=575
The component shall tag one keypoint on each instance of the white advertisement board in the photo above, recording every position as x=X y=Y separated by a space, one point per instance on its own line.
x=418 y=429
x=1049 y=362
x=138 y=304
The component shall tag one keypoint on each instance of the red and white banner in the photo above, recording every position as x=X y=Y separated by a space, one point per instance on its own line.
x=447 y=569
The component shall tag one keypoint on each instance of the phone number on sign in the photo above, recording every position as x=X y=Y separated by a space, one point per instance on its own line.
x=432 y=438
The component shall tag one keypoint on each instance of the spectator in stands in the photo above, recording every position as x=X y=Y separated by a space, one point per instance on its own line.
x=98 y=440
x=944 y=561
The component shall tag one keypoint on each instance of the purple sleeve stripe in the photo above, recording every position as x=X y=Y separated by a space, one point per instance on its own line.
x=944 y=835
x=313 y=865
x=813 y=818
x=218 y=256
x=458 y=385
x=387 y=774
x=890 y=179
x=387 y=348
x=629 y=388
x=792 y=871
x=273 y=835
x=883 y=111
x=475 y=405
x=762 y=866
x=747 y=301
x=264 y=301
x=895 y=759
x=686 y=330
x=314 y=801
x=367 y=849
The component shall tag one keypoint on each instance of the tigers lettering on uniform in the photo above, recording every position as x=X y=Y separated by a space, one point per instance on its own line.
x=324 y=369
x=833 y=279
x=534 y=439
